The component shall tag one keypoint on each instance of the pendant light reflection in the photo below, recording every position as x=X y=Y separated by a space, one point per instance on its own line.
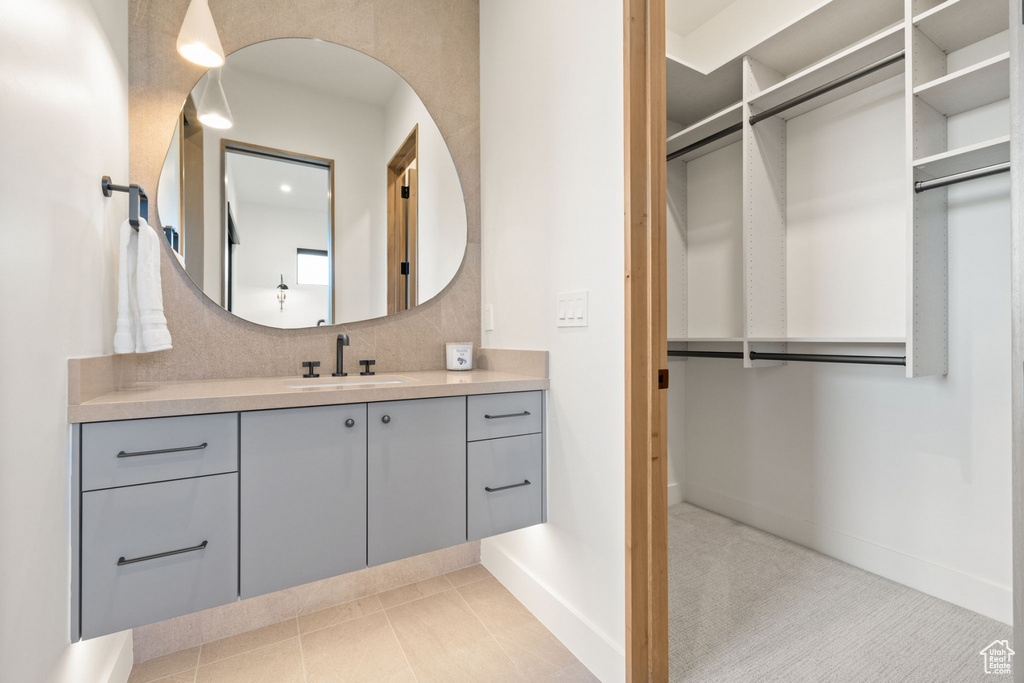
x=198 y=41
x=282 y=290
x=213 y=108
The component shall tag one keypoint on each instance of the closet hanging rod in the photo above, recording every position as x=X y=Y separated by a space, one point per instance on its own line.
x=138 y=200
x=707 y=354
x=796 y=357
x=829 y=87
x=725 y=132
x=954 y=178
x=825 y=358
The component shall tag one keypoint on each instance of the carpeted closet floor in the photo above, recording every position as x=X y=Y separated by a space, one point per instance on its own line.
x=748 y=606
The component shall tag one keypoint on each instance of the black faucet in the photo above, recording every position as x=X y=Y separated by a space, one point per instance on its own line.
x=342 y=343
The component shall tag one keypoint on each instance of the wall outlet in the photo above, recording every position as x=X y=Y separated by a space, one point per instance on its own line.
x=488 y=317
x=571 y=309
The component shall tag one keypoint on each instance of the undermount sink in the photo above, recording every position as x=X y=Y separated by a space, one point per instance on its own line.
x=358 y=381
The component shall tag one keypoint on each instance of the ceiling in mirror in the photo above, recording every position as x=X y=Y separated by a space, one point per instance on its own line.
x=330 y=198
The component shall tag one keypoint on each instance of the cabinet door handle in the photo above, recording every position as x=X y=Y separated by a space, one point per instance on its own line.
x=121 y=561
x=200 y=447
x=526 y=482
x=350 y=423
x=498 y=417
x=386 y=419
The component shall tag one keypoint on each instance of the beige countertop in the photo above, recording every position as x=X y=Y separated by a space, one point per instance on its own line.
x=193 y=397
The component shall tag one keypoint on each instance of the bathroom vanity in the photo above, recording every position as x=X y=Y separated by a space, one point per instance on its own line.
x=190 y=495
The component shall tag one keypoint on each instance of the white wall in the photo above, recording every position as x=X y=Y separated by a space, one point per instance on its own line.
x=63 y=82
x=739 y=26
x=268 y=251
x=441 y=211
x=909 y=479
x=168 y=200
x=552 y=203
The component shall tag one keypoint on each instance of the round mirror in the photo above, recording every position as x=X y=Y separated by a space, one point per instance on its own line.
x=306 y=184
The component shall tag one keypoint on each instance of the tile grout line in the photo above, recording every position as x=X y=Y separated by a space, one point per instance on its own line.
x=472 y=611
x=450 y=587
x=345 y=621
x=503 y=649
x=401 y=647
x=302 y=653
x=253 y=649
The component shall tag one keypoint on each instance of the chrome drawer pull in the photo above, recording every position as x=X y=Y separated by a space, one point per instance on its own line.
x=526 y=482
x=121 y=561
x=498 y=417
x=200 y=447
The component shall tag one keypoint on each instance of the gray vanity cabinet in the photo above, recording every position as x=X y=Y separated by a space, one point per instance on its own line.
x=416 y=468
x=303 y=496
x=179 y=514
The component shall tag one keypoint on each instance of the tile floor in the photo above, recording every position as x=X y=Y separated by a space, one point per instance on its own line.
x=462 y=626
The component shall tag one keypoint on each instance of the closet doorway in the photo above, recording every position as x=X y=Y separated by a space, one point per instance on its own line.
x=843 y=277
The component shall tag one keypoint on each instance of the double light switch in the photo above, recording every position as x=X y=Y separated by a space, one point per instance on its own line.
x=572 y=309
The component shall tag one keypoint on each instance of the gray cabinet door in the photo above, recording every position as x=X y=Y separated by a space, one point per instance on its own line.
x=416 y=477
x=156 y=551
x=303 y=496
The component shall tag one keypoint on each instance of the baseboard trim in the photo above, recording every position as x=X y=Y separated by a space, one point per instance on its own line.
x=122 y=661
x=947 y=584
x=591 y=645
x=675 y=493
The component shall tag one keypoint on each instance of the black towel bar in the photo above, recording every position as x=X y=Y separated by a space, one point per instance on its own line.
x=138 y=201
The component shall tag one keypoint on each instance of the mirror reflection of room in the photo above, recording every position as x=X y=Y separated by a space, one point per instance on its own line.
x=279 y=221
x=392 y=220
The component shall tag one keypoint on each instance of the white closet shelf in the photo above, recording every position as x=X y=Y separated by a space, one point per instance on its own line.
x=828 y=340
x=988 y=153
x=865 y=53
x=731 y=116
x=707 y=340
x=977 y=85
x=956 y=24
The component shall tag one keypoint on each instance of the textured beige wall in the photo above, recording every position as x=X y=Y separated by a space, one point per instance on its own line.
x=434 y=45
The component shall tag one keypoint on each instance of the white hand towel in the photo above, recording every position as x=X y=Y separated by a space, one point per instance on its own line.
x=141 y=325
x=127 y=305
x=152 y=323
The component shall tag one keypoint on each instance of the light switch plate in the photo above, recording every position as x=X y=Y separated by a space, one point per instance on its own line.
x=488 y=317
x=571 y=309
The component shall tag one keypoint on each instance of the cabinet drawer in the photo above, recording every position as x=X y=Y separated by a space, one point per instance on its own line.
x=499 y=499
x=158 y=551
x=142 y=451
x=492 y=416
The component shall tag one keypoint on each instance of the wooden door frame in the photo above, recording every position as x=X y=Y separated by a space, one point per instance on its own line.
x=1017 y=322
x=646 y=342
x=398 y=167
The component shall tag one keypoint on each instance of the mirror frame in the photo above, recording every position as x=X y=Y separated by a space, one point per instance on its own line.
x=264 y=152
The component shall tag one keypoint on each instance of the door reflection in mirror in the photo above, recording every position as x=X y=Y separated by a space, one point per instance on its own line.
x=280 y=213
